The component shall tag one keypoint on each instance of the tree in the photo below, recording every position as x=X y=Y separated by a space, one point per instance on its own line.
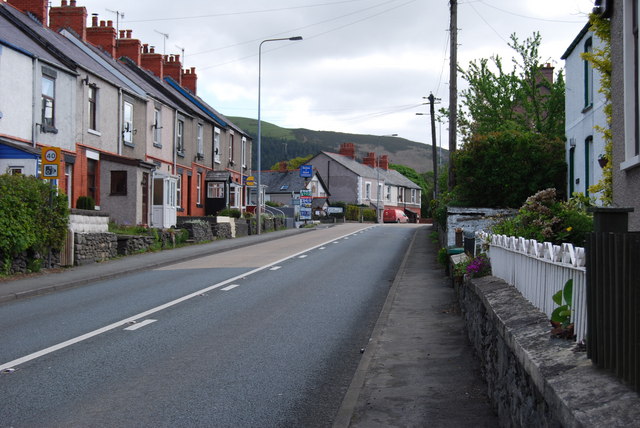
x=502 y=169
x=426 y=187
x=293 y=164
x=513 y=130
x=519 y=99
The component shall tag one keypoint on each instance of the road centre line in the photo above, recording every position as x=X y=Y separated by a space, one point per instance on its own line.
x=231 y=287
x=276 y=268
x=140 y=324
x=118 y=324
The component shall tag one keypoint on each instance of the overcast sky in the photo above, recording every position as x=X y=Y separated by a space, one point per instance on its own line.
x=363 y=66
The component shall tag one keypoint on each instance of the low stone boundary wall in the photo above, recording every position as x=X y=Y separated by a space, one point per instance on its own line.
x=94 y=247
x=131 y=244
x=534 y=379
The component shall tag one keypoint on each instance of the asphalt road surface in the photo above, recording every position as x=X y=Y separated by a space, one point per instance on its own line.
x=265 y=336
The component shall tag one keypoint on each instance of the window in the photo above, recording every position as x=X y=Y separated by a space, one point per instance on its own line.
x=92 y=167
x=379 y=194
x=588 y=158
x=118 y=183
x=157 y=134
x=400 y=194
x=216 y=145
x=388 y=196
x=198 y=188
x=179 y=191
x=199 y=140
x=231 y=149
x=233 y=197
x=180 y=137
x=92 y=111
x=244 y=152
x=414 y=194
x=48 y=103
x=632 y=89
x=367 y=191
x=127 y=123
x=588 y=75
x=16 y=170
x=215 y=190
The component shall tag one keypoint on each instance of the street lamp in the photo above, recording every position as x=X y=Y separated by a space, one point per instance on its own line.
x=259 y=207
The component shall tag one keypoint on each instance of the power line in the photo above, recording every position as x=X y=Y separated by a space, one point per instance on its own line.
x=526 y=16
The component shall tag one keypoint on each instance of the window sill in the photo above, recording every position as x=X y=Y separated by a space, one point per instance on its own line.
x=128 y=144
x=587 y=108
x=94 y=132
x=117 y=194
x=180 y=210
x=180 y=153
x=199 y=206
x=47 y=129
x=157 y=145
x=630 y=163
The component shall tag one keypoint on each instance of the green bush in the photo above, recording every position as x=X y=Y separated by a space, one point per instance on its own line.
x=230 y=212
x=544 y=218
x=85 y=203
x=28 y=220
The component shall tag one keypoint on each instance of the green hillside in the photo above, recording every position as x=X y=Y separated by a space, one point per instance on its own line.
x=281 y=144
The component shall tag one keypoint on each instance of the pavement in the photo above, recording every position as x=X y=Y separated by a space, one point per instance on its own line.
x=419 y=369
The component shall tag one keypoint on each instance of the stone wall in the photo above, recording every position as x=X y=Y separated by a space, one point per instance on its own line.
x=471 y=220
x=199 y=230
x=222 y=230
x=95 y=247
x=534 y=379
x=132 y=244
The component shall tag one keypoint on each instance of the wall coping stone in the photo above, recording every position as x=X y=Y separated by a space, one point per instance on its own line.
x=577 y=392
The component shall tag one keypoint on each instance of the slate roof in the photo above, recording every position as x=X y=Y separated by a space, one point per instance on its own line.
x=283 y=182
x=390 y=176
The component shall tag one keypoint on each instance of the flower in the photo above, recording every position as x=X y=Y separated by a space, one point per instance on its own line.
x=569 y=229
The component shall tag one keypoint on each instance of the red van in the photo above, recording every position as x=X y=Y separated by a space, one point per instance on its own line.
x=393 y=215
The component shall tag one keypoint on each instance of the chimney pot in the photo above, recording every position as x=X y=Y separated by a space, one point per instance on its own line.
x=64 y=3
x=109 y=23
x=73 y=3
x=152 y=49
x=94 y=19
x=121 y=34
x=129 y=34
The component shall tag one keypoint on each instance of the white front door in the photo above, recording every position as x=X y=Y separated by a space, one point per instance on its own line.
x=164 y=214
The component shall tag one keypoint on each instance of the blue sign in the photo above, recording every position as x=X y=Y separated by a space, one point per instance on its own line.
x=306 y=171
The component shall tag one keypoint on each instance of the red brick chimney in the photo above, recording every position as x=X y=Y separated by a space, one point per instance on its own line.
x=72 y=17
x=348 y=150
x=37 y=7
x=172 y=67
x=383 y=162
x=103 y=36
x=546 y=74
x=151 y=60
x=126 y=46
x=190 y=80
x=370 y=159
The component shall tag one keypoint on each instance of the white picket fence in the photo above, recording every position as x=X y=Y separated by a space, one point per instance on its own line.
x=539 y=270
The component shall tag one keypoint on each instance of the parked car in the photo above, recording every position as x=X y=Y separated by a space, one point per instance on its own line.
x=392 y=215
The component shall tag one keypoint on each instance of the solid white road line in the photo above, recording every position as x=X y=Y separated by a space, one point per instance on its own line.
x=275 y=268
x=140 y=324
x=231 y=287
x=117 y=324
x=303 y=256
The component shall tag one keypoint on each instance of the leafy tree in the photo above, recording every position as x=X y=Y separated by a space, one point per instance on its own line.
x=502 y=169
x=518 y=99
x=294 y=163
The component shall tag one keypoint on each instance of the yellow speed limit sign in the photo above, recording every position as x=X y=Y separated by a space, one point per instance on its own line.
x=51 y=162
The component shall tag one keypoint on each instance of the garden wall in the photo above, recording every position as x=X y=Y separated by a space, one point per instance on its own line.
x=471 y=220
x=532 y=378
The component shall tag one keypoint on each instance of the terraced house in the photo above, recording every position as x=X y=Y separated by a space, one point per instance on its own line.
x=135 y=136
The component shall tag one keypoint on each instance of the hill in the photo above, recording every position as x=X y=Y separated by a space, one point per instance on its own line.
x=282 y=143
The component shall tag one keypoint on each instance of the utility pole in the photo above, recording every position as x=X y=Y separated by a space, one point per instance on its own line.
x=434 y=151
x=453 y=89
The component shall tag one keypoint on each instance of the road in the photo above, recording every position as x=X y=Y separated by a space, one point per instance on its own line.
x=266 y=336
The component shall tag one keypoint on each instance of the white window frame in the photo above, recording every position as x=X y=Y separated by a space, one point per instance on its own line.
x=127 y=122
x=244 y=152
x=388 y=193
x=400 y=194
x=231 y=144
x=48 y=101
x=198 y=188
x=200 y=135
x=216 y=145
x=179 y=191
x=92 y=108
x=157 y=121
x=413 y=196
x=367 y=190
x=180 y=137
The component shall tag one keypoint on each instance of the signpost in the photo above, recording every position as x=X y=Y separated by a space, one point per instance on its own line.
x=50 y=163
x=305 y=204
x=250 y=181
x=306 y=171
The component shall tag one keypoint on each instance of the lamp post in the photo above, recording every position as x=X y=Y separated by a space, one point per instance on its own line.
x=259 y=207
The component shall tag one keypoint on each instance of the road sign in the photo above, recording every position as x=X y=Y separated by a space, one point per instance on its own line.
x=50 y=162
x=250 y=181
x=305 y=204
x=306 y=171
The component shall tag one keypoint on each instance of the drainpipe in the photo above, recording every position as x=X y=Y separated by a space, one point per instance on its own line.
x=34 y=103
x=120 y=119
x=175 y=142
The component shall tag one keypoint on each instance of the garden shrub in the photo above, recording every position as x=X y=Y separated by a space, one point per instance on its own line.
x=85 y=203
x=28 y=220
x=230 y=212
x=545 y=219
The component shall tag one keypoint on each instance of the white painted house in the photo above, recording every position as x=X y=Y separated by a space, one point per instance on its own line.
x=584 y=110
